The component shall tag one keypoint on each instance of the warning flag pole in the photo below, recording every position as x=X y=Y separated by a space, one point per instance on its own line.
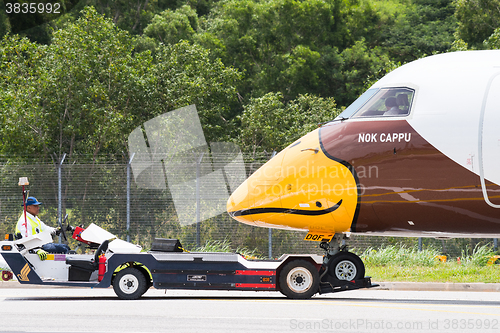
x=22 y=182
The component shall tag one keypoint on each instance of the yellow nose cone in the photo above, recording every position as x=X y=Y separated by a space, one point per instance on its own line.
x=259 y=194
x=301 y=188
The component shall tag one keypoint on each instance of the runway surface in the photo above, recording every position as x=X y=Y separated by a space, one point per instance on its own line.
x=99 y=310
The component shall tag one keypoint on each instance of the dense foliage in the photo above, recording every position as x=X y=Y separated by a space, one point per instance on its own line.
x=86 y=91
x=262 y=73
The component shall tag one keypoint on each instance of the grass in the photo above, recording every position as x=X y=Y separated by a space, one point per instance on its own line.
x=399 y=263
x=225 y=246
x=446 y=272
x=400 y=256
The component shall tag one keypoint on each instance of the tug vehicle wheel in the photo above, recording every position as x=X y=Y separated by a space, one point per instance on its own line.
x=299 y=279
x=129 y=283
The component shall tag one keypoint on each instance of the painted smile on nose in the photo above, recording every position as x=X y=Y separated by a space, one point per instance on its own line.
x=255 y=211
x=301 y=188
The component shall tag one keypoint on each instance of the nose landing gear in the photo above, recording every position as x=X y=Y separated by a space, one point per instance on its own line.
x=341 y=270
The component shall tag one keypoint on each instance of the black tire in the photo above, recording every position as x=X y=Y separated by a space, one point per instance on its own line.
x=130 y=283
x=346 y=266
x=299 y=279
x=149 y=282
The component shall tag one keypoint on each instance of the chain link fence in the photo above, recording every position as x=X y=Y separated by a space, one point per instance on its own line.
x=98 y=193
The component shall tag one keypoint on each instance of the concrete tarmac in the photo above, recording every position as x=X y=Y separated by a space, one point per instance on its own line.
x=65 y=309
x=415 y=286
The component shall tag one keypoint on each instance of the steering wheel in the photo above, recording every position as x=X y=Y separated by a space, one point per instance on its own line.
x=62 y=229
x=100 y=250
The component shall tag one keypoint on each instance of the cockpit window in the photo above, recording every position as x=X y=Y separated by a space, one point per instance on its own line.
x=347 y=113
x=387 y=102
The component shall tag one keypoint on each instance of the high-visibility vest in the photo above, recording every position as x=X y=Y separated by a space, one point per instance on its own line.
x=35 y=223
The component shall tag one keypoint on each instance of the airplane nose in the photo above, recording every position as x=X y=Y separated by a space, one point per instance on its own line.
x=259 y=193
x=238 y=203
x=301 y=188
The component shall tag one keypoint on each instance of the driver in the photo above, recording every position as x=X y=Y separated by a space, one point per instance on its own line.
x=34 y=226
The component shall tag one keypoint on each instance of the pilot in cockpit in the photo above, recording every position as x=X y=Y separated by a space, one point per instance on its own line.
x=392 y=107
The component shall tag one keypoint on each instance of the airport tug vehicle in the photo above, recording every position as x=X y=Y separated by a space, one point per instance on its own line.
x=167 y=265
x=132 y=272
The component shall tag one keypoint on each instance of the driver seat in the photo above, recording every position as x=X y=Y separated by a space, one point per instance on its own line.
x=88 y=263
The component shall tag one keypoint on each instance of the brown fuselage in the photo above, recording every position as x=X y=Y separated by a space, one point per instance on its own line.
x=406 y=186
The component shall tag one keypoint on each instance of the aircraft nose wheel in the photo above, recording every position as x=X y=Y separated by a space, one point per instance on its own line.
x=346 y=270
x=299 y=279
x=346 y=266
x=129 y=283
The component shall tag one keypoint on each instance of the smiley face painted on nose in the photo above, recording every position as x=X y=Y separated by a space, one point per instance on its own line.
x=301 y=188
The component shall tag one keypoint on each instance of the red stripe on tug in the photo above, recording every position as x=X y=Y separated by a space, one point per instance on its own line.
x=255 y=285
x=266 y=279
x=254 y=272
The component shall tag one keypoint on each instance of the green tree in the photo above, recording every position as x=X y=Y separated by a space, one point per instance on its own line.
x=86 y=91
x=417 y=28
x=4 y=24
x=185 y=74
x=477 y=20
x=132 y=17
x=33 y=19
x=90 y=87
x=135 y=16
x=269 y=123
x=289 y=46
x=354 y=67
x=170 y=27
x=493 y=42
x=19 y=76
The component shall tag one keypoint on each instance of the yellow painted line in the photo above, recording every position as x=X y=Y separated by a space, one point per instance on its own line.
x=377 y=305
x=430 y=310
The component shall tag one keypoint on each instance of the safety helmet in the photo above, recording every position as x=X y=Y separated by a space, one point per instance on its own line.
x=32 y=201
